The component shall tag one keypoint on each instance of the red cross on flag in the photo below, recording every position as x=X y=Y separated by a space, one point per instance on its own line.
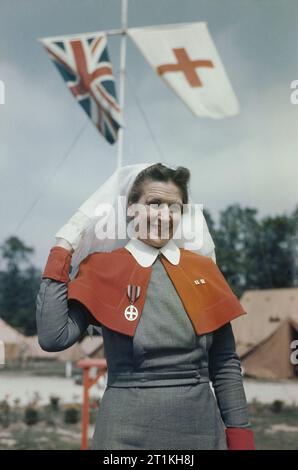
x=185 y=56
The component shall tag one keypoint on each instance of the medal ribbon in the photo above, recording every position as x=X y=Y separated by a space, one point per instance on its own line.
x=133 y=292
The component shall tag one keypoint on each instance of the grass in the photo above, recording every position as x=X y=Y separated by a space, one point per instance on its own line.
x=50 y=439
x=35 y=427
x=275 y=428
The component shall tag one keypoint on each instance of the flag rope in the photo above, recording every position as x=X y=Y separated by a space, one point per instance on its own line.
x=47 y=183
x=146 y=120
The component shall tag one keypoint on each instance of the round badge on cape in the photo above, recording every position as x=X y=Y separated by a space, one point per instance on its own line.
x=131 y=313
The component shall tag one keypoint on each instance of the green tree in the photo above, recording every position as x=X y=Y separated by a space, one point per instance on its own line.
x=19 y=285
x=256 y=254
x=235 y=241
x=293 y=243
x=277 y=245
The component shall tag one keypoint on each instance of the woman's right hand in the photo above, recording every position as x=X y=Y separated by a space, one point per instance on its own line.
x=73 y=231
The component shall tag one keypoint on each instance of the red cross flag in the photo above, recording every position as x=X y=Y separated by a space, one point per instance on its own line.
x=185 y=56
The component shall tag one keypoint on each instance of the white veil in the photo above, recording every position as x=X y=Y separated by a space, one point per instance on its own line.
x=80 y=230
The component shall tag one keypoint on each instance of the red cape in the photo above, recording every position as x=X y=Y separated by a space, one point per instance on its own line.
x=102 y=279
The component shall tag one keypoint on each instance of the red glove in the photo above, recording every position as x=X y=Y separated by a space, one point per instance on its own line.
x=58 y=264
x=240 y=439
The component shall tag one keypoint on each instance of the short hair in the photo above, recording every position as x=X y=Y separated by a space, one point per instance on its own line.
x=159 y=172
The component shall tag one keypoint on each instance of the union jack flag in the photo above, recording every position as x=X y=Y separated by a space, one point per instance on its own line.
x=84 y=64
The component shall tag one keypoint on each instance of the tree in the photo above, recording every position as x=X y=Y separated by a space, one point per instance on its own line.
x=278 y=234
x=19 y=285
x=256 y=254
x=293 y=243
x=235 y=240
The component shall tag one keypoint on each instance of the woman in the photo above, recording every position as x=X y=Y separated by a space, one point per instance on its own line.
x=165 y=314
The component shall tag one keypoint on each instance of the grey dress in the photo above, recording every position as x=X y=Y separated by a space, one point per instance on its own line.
x=158 y=394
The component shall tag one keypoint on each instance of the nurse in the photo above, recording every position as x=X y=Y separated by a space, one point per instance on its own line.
x=165 y=312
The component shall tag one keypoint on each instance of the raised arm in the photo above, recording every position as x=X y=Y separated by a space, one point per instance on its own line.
x=60 y=322
x=225 y=375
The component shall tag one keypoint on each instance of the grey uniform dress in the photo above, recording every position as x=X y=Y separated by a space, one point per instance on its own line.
x=158 y=394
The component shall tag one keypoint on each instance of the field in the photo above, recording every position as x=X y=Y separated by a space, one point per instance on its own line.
x=275 y=427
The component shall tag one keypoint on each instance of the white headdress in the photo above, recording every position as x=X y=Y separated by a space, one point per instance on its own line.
x=80 y=230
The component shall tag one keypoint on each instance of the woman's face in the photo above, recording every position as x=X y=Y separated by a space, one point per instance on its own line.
x=161 y=212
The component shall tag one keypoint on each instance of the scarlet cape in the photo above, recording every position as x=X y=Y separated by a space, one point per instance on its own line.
x=102 y=279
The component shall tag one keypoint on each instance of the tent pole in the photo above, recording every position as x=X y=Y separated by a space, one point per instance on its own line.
x=124 y=8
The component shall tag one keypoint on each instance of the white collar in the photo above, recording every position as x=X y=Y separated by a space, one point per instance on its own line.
x=146 y=254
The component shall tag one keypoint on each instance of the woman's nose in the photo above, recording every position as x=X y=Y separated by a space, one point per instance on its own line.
x=163 y=213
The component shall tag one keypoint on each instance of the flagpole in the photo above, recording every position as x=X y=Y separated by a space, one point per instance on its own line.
x=124 y=8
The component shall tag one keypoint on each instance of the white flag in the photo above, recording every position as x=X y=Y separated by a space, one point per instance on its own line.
x=185 y=56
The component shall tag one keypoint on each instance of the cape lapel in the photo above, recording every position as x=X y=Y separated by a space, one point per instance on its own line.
x=206 y=296
x=101 y=285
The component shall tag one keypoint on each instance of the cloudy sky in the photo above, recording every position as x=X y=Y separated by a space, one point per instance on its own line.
x=52 y=158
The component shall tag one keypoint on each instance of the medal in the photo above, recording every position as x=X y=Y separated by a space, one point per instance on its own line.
x=131 y=312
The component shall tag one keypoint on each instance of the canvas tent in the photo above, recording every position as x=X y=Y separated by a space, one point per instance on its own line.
x=264 y=336
x=34 y=352
x=26 y=348
x=14 y=342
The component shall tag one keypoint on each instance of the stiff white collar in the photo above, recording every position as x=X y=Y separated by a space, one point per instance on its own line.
x=147 y=254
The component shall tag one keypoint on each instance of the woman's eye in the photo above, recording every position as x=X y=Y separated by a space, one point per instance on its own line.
x=153 y=205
